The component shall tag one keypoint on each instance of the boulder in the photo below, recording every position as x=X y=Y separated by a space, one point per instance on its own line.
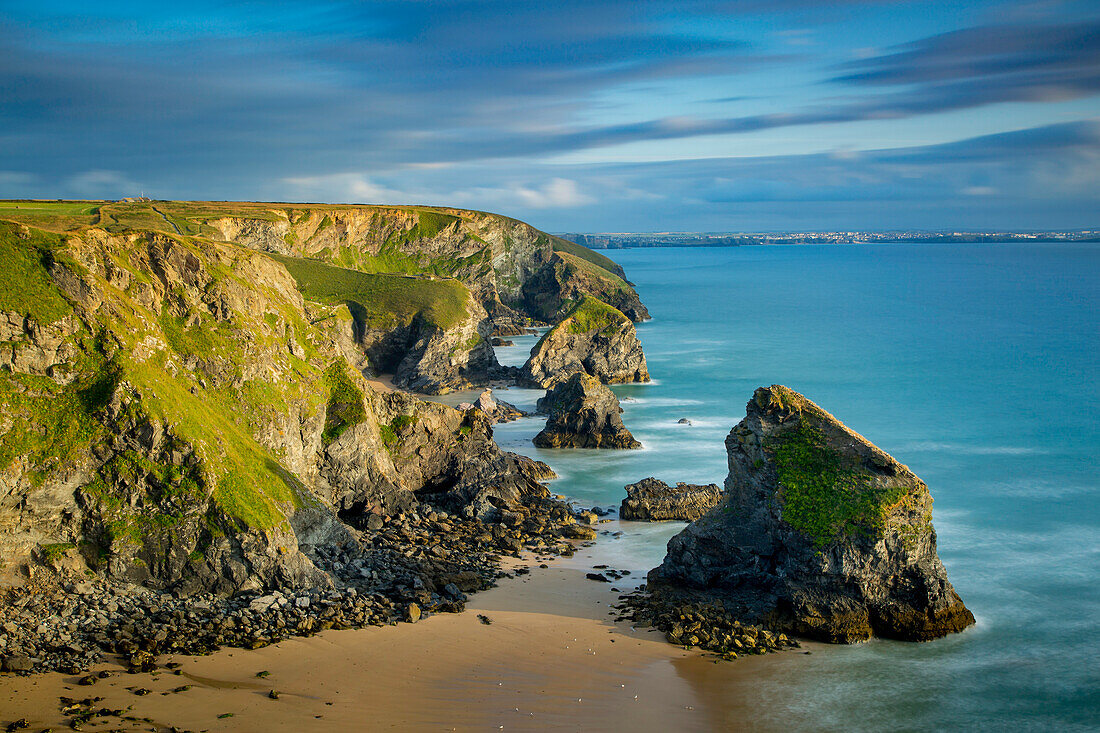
x=583 y=413
x=651 y=500
x=820 y=533
x=496 y=410
x=593 y=338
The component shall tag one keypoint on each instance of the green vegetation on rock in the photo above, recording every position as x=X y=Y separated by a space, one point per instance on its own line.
x=823 y=497
x=431 y=223
x=345 y=403
x=25 y=254
x=611 y=267
x=382 y=301
x=592 y=314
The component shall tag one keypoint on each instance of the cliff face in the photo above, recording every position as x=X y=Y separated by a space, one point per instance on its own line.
x=510 y=266
x=593 y=338
x=175 y=414
x=583 y=413
x=821 y=533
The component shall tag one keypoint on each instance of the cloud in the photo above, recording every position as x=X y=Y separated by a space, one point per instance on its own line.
x=1041 y=177
x=463 y=102
x=101 y=184
x=558 y=192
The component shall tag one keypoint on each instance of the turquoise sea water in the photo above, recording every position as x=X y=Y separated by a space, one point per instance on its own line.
x=973 y=364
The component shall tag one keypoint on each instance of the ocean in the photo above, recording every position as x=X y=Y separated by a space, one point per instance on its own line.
x=975 y=365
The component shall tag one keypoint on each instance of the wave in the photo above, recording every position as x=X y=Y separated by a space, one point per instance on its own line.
x=972 y=450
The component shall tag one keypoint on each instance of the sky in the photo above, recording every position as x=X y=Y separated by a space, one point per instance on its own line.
x=574 y=115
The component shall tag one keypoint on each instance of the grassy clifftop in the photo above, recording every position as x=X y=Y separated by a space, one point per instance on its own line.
x=381 y=300
x=497 y=257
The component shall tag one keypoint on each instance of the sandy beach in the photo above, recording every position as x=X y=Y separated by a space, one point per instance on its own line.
x=552 y=658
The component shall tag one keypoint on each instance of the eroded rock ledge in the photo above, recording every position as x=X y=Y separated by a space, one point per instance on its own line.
x=821 y=534
x=651 y=500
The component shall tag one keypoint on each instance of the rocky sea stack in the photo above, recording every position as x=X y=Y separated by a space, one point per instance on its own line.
x=821 y=534
x=594 y=338
x=583 y=413
x=650 y=500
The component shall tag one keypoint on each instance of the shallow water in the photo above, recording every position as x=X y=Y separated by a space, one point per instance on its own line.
x=974 y=365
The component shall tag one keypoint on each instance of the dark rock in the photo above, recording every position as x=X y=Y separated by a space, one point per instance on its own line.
x=583 y=413
x=599 y=577
x=502 y=342
x=17 y=663
x=821 y=533
x=650 y=500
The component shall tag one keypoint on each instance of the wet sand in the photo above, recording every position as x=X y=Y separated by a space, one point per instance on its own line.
x=552 y=659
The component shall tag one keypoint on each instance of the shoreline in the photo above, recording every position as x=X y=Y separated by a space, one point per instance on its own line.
x=551 y=658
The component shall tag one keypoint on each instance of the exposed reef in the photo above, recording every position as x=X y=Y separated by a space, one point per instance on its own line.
x=820 y=534
x=650 y=500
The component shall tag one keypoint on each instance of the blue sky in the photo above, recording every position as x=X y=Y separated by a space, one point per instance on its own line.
x=575 y=115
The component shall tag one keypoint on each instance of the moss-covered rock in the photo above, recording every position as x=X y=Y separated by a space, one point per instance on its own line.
x=593 y=338
x=821 y=533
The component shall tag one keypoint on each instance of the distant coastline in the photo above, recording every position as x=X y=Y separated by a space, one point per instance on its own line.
x=637 y=240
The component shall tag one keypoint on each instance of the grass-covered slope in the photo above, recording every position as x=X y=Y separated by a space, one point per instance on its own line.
x=501 y=259
x=136 y=374
x=383 y=300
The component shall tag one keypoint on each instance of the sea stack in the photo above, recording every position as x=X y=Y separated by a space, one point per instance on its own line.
x=583 y=413
x=594 y=338
x=821 y=534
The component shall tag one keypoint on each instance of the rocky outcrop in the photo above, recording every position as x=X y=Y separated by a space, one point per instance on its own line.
x=583 y=413
x=566 y=277
x=437 y=361
x=494 y=409
x=517 y=272
x=650 y=500
x=821 y=533
x=593 y=338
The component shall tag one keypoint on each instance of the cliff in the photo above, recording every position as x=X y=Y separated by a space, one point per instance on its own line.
x=177 y=414
x=593 y=338
x=821 y=533
x=511 y=267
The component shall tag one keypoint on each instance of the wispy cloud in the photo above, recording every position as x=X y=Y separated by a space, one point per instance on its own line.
x=465 y=102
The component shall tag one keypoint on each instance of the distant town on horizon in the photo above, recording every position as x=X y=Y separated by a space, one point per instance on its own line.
x=628 y=240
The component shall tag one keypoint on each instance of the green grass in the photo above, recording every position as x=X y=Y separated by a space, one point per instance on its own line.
x=822 y=496
x=380 y=300
x=345 y=403
x=614 y=282
x=431 y=223
x=592 y=314
x=572 y=248
x=27 y=288
x=248 y=484
x=58 y=216
x=52 y=422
